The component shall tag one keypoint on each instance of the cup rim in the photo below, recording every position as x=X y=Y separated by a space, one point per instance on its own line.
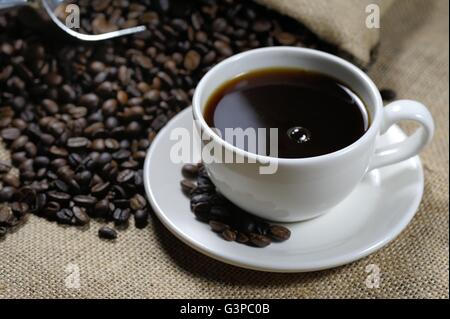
x=373 y=128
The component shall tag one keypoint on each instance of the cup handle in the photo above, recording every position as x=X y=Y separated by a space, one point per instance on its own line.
x=397 y=152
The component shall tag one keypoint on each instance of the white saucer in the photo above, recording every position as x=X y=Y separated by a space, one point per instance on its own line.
x=377 y=211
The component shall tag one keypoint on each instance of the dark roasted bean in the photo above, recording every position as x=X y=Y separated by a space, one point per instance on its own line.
x=190 y=171
x=217 y=226
x=7 y=193
x=84 y=200
x=81 y=218
x=138 y=202
x=59 y=197
x=10 y=134
x=65 y=216
x=4 y=167
x=141 y=218
x=242 y=238
x=11 y=180
x=279 y=233
x=125 y=176
x=121 y=216
x=77 y=142
x=107 y=233
x=5 y=215
x=187 y=186
x=229 y=235
x=259 y=240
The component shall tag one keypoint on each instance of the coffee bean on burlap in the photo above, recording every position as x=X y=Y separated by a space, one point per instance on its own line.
x=107 y=233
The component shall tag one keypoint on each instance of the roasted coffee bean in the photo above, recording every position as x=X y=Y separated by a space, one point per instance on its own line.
x=107 y=233
x=65 y=216
x=220 y=213
x=18 y=144
x=50 y=106
x=121 y=155
x=25 y=194
x=217 y=226
x=10 y=134
x=229 y=235
x=84 y=200
x=3 y=231
x=77 y=142
x=81 y=218
x=40 y=202
x=59 y=197
x=138 y=202
x=5 y=215
x=7 y=193
x=4 y=167
x=31 y=149
x=242 y=238
x=121 y=216
x=187 y=186
x=41 y=161
x=190 y=171
x=102 y=208
x=259 y=240
x=125 y=176
x=20 y=209
x=11 y=180
x=100 y=189
x=141 y=218
x=388 y=95
x=192 y=60
x=51 y=209
x=279 y=233
x=58 y=151
x=18 y=157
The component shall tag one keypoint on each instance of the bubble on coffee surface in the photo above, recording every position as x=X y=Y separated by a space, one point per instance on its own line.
x=299 y=134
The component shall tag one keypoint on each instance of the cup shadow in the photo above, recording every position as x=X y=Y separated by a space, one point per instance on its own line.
x=203 y=266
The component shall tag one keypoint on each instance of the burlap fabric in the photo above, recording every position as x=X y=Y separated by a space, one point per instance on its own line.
x=35 y=261
x=339 y=22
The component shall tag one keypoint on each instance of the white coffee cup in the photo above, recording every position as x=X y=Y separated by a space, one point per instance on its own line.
x=304 y=188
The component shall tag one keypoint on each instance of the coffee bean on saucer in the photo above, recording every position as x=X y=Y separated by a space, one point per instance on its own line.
x=217 y=226
x=107 y=233
x=259 y=240
x=190 y=171
x=279 y=233
x=229 y=235
x=242 y=238
x=187 y=186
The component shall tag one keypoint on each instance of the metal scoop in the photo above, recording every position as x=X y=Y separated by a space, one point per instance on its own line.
x=49 y=6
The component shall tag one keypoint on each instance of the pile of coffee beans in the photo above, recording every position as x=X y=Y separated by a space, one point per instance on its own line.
x=79 y=117
x=231 y=222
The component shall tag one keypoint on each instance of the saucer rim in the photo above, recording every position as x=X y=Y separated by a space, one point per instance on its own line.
x=323 y=264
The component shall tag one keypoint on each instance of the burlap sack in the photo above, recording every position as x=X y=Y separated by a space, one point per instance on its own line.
x=42 y=259
x=342 y=23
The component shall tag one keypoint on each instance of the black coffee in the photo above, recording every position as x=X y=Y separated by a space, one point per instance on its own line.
x=315 y=114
